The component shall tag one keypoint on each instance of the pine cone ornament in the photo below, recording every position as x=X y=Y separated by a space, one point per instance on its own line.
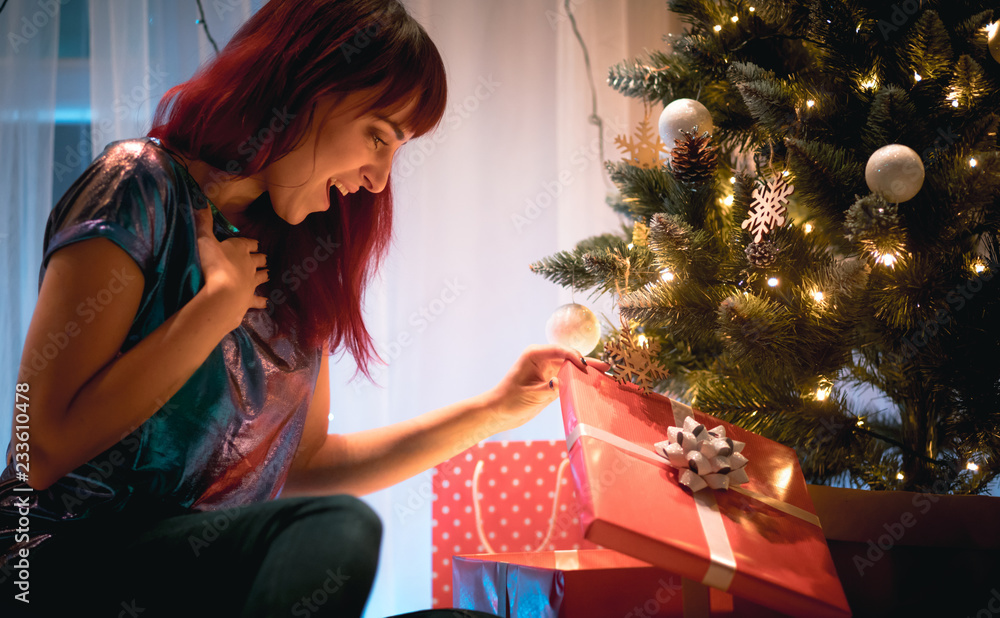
x=692 y=160
x=762 y=254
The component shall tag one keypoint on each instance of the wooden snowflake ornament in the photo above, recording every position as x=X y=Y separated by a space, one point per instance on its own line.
x=647 y=148
x=768 y=208
x=633 y=362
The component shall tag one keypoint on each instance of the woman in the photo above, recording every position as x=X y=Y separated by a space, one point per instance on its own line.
x=194 y=283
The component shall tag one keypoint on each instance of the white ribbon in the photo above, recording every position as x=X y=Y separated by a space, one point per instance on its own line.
x=723 y=563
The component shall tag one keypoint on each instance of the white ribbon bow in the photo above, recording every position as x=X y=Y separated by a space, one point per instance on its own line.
x=706 y=458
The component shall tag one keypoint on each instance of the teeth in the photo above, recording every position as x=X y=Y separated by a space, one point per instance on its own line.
x=340 y=187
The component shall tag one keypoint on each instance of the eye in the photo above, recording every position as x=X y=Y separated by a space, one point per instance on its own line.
x=378 y=140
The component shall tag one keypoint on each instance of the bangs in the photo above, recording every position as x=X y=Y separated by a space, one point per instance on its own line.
x=419 y=73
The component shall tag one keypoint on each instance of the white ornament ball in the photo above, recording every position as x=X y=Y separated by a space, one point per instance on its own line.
x=684 y=115
x=994 y=41
x=896 y=172
x=574 y=326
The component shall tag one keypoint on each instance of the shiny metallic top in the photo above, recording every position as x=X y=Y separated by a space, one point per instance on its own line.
x=228 y=436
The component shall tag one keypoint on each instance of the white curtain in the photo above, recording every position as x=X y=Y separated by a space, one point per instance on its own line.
x=512 y=175
x=28 y=65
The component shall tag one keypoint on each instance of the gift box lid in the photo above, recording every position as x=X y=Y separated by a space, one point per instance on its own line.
x=760 y=540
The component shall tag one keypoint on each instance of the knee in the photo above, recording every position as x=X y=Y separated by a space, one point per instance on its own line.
x=358 y=516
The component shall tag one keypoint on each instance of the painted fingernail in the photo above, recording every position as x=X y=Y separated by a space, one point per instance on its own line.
x=583 y=360
x=551 y=385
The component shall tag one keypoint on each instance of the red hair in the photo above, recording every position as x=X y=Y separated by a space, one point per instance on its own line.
x=251 y=105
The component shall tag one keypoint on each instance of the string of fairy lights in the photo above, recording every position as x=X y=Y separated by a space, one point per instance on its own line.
x=889 y=259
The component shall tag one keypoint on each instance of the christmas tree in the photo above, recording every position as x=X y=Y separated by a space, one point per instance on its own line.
x=814 y=251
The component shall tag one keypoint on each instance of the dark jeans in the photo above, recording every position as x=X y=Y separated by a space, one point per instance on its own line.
x=305 y=557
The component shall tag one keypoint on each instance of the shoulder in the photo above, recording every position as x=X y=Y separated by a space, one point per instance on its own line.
x=130 y=193
x=143 y=160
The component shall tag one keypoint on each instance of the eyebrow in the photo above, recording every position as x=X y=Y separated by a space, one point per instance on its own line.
x=395 y=127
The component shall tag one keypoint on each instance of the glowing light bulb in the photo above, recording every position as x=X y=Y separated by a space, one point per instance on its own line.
x=954 y=103
x=979 y=267
x=773 y=281
x=631 y=246
x=888 y=259
x=973 y=162
x=822 y=393
x=641 y=340
x=666 y=275
x=810 y=103
x=900 y=476
x=728 y=201
x=870 y=84
x=752 y=9
x=734 y=19
x=732 y=180
x=861 y=422
x=717 y=28
x=971 y=466
x=784 y=173
x=818 y=296
x=916 y=76
x=808 y=227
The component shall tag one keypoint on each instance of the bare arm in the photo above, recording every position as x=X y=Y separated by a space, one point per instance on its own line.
x=367 y=461
x=85 y=398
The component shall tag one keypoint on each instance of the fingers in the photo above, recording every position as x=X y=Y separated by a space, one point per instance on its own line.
x=262 y=276
x=259 y=302
x=558 y=353
x=598 y=364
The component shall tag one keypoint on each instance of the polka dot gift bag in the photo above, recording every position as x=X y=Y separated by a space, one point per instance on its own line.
x=502 y=497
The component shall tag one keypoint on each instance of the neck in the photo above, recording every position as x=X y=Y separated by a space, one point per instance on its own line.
x=230 y=194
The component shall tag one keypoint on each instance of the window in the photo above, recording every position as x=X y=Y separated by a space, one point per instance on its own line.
x=72 y=117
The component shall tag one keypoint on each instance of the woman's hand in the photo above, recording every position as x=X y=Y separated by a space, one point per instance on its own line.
x=531 y=384
x=232 y=270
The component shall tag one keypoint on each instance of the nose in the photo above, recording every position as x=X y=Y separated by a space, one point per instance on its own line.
x=376 y=175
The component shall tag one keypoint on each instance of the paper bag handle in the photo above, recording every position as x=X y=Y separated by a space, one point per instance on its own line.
x=478 y=512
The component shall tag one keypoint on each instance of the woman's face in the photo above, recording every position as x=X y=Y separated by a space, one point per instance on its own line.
x=346 y=148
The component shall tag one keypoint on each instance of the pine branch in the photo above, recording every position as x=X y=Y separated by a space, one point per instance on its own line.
x=891 y=119
x=928 y=49
x=645 y=192
x=825 y=176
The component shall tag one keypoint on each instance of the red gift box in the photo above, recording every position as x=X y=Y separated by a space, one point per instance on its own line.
x=525 y=502
x=759 y=541
x=583 y=584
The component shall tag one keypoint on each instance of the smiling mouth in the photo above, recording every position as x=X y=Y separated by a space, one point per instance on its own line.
x=340 y=187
